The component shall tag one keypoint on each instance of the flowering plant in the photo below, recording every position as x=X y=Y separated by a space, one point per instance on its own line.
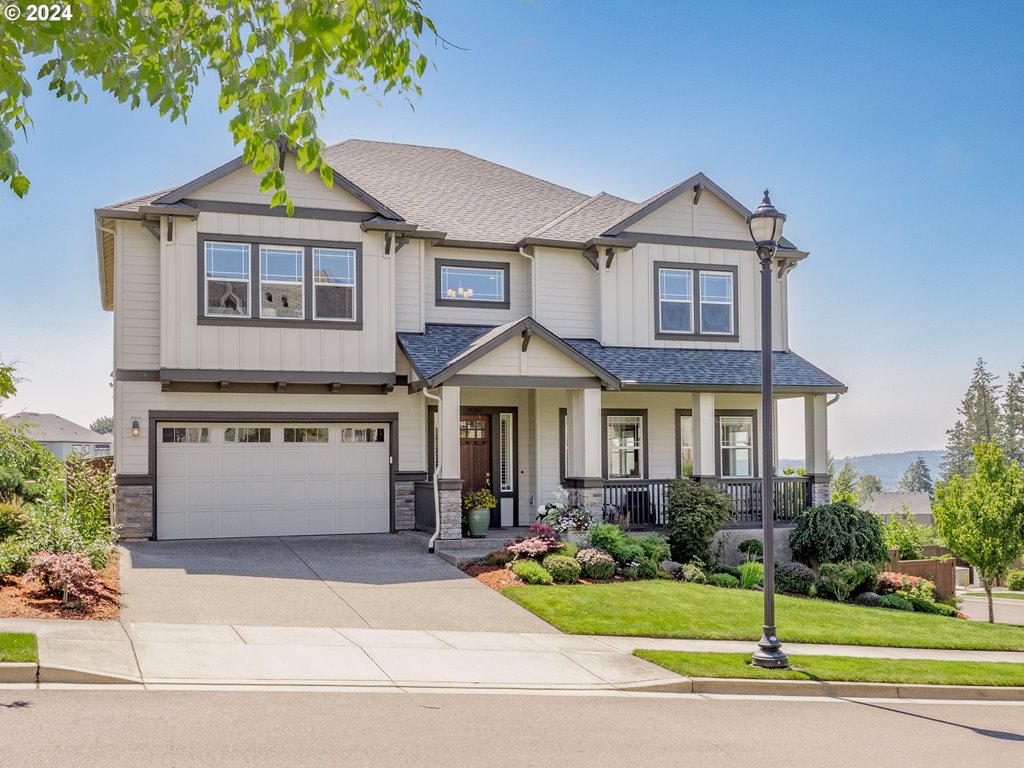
x=889 y=583
x=69 y=574
x=561 y=517
x=481 y=499
x=541 y=540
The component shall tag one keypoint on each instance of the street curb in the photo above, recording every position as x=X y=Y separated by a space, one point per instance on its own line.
x=18 y=672
x=74 y=675
x=853 y=690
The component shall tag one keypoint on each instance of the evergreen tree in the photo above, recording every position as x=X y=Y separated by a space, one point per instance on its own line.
x=844 y=484
x=980 y=422
x=868 y=486
x=1012 y=426
x=917 y=478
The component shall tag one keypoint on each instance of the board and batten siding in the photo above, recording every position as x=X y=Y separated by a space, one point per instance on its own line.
x=519 y=278
x=708 y=218
x=306 y=190
x=409 y=287
x=628 y=298
x=135 y=399
x=539 y=359
x=566 y=293
x=136 y=298
x=186 y=344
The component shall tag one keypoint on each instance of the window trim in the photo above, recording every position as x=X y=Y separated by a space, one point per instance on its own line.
x=696 y=334
x=680 y=412
x=204 y=298
x=356 y=286
x=444 y=301
x=755 y=457
x=254 y=320
x=644 y=442
x=301 y=283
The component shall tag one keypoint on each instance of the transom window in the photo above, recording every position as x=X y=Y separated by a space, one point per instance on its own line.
x=227 y=279
x=305 y=434
x=476 y=282
x=247 y=435
x=625 y=436
x=185 y=435
x=334 y=284
x=694 y=300
x=736 y=443
x=281 y=290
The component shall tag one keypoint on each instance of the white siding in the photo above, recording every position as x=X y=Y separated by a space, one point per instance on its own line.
x=137 y=399
x=540 y=359
x=409 y=287
x=567 y=293
x=136 y=298
x=186 y=344
x=709 y=218
x=519 y=300
x=305 y=190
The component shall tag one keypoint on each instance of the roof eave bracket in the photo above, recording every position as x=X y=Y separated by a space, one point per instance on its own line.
x=590 y=254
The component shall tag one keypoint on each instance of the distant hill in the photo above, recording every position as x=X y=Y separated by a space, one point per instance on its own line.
x=887 y=467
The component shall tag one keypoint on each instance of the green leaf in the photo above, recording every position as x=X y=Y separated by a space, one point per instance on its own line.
x=19 y=185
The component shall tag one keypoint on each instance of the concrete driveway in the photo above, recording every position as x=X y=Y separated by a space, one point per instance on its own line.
x=382 y=581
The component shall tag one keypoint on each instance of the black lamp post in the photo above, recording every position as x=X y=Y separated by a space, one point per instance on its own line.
x=766 y=230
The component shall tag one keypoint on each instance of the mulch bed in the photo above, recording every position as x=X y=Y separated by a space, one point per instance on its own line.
x=19 y=600
x=497 y=577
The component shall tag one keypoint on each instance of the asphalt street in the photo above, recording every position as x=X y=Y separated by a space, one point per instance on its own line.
x=212 y=729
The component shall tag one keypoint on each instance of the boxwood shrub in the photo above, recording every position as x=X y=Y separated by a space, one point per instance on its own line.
x=596 y=563
x=563 y=569
x=795 y=578
x=726 y=580
x=531 y=572
x=896 y=603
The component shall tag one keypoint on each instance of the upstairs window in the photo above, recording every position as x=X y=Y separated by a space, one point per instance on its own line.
x=695 y=301
x=472 y=283
x=227 y=279
x=281 y=290
x=334 y=284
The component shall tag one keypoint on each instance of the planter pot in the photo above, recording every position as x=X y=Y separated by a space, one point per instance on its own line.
x=580 y=539
x=479 y=521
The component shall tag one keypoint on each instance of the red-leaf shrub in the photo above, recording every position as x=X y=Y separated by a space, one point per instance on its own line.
x=889 y=583
x=68 y=574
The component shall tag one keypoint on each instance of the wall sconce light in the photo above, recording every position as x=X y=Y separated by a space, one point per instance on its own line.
x=136 y=429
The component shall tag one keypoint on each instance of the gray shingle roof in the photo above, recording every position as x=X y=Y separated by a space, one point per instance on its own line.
x=709 y=367
x=439 y=345
x=51 y=428
x=449 y=191
x=588 y=219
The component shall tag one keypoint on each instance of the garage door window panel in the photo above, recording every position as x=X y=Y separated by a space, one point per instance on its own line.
x=305 y=435
x=185 y=435
x=247 y=435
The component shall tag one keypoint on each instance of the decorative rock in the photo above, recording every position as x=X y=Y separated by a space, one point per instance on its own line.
x=670 y=567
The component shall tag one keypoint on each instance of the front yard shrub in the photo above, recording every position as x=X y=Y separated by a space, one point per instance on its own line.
x=723 y=580
x=498 y=557
x=834 y=533
x=68 y=574
x=531 y=572
x=597 y=564
x=12 y=518
x=628 y=554
x=15 y=556
x=888 y=583
x=607 y=536
x=12 y=484
x=837 y=581
x=795 y=578
x=695 y=511
x=730 y=569
x=752 y=548
x=946 y=610
x=563 y=569
x=647 y=569
x=895 y=603
x=693 y=572
x=1015 y=580
x=655 y=547
x=751 y=575
x=923 y=606
x=568 y=549
x=541 y=540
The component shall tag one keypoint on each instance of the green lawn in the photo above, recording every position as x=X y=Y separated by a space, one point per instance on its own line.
x=17 y=646
x=672 y=609
x=841 y=669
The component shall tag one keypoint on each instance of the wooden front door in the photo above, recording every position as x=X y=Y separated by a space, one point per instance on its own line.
x=475 y=447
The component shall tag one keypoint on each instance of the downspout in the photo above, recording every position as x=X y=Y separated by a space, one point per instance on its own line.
x=437 y=471
x=533 y=281
x=834 y=400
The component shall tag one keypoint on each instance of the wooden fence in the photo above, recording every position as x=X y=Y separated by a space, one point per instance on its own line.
x=941 y=572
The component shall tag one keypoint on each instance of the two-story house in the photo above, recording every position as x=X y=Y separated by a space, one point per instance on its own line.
x=435 y=322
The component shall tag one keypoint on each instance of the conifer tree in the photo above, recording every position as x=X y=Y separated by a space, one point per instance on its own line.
x=917 y=478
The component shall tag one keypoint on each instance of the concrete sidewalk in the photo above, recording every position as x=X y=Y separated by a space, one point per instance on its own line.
x=154 y=654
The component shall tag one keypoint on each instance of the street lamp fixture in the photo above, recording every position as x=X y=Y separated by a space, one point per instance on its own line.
x=766 y=230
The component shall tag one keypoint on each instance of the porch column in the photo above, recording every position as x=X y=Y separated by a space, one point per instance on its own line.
x=704 y=435
x=816 y=447
x=584 y=472
x=449 y=483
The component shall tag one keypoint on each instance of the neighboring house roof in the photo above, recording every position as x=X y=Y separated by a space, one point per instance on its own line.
x=892 y=502
x=51 y=428
x=441 y=346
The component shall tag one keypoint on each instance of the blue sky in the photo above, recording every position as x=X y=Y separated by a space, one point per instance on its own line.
x=889 y=132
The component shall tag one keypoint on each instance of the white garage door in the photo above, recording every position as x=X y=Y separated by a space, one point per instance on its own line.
x=249 y=479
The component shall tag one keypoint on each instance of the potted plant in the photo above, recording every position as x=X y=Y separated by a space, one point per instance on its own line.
x=572 y=523
x=478 y=506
